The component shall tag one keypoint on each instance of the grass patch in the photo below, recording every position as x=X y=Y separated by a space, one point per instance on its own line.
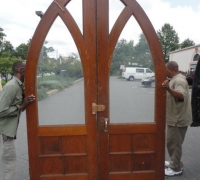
x=49 y=83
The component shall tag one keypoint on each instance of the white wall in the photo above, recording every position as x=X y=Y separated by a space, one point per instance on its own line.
x=183 y=57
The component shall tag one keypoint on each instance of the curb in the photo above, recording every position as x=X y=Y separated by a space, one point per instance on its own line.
x=49 y=93
x=54 y=91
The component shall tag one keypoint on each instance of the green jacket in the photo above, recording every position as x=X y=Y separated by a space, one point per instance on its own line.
x=10 y=99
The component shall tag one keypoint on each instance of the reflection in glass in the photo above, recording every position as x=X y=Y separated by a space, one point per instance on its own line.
x=130 y=100
x=60 y=83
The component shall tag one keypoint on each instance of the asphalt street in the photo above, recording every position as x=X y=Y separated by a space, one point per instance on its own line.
x=191 y=146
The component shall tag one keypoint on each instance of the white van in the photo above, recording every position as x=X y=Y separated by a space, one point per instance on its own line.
x=131 y=73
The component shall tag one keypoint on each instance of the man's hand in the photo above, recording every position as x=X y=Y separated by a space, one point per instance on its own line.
x=178 y=95
x=165 y=84
x=27 y=100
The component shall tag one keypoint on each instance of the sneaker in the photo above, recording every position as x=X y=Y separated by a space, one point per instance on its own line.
x=171 y=172
x=167 y=164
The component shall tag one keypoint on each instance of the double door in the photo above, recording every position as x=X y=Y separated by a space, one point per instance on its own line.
x=98 y=148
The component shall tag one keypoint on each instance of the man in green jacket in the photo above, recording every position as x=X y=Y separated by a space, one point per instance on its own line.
x=12 y=103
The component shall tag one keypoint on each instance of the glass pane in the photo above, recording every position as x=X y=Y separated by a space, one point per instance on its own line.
x=132 y=78
x=115 y=8
x=60 y=79
x=75 y=9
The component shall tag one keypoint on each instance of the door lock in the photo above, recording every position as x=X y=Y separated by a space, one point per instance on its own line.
x=103 y=124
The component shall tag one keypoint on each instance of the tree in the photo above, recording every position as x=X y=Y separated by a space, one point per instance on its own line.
x=7 y=47
x=2 y=35
x=123 y=55
x=22 y=50
x=6 y=62
x=187 y=43
x=169 y=40
x=73 y=66
x=46 y=64
x=142 y=55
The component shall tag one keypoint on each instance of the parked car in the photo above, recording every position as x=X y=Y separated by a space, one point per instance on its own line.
x=132 y=73
x=149 y=81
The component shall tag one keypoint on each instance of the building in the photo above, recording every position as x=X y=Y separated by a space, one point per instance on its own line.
x=186 y=58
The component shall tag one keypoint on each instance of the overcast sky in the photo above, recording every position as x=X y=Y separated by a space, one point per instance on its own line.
x=19 y=21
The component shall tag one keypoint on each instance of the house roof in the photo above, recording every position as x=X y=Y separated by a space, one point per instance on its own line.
x=191 y=47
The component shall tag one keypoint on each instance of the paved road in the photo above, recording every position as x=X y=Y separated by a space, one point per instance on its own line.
x=190 y=148
x=128 y=102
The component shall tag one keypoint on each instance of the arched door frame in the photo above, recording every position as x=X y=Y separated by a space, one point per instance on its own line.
x=83 y=43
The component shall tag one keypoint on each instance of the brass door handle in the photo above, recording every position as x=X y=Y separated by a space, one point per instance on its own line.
x=103 y=124
x=106 y=125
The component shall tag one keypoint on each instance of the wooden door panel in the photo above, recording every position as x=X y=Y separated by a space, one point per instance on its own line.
x=63 y=155
x=50 y=146
x=136 y=150
x=120 y=162
x=143 y=142
x=144 y=161
x=133 y=176
x=68 y=177
x=51 y=165
x=82 y=152
x=120 y=143
x=132 y=152
x=64 y=152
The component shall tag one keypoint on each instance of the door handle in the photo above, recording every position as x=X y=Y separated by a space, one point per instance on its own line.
x=106 y=125
x=103 y=124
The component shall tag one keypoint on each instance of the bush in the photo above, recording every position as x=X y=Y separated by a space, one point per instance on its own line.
x=41 y=94
x=50 y=86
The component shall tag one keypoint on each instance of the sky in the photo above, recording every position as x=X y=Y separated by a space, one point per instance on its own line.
x=19 y=21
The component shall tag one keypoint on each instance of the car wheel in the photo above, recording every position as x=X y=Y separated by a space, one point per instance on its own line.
x=131 y=78
x=153 y=84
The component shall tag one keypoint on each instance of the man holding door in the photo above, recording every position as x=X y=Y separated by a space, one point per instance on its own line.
x=12 y=103
x=178 y=117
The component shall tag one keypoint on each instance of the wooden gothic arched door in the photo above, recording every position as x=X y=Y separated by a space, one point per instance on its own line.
x=96 y=149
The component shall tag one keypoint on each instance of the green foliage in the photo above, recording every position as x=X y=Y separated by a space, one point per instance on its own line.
x=50 y=77
x=7 y=47
x=6 y=63
x=142 y=54
x=3 y=82
x=71 y=67
x=123 y=54
x=2 y=35
x=187 y=43
x=41 y=94
x=169 y=40
x=21 y=51
x=46 y=64
x=48 y=85
x=129 y=55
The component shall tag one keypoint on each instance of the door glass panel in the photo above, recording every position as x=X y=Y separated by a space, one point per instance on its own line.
x=132 y=78
x=75 y=9
x=60 y=83
x=115 y=8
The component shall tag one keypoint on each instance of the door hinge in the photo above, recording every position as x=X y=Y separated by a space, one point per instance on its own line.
x=96 y=108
